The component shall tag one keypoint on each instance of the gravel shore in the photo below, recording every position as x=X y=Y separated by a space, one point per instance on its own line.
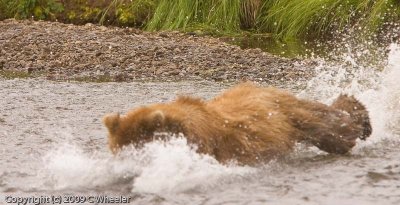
x=59 y=51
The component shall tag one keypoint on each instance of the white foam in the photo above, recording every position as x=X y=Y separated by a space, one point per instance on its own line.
x=176 y=167
x=69 y=167
x=377 y=89
x=391 y=88
x=159 y=167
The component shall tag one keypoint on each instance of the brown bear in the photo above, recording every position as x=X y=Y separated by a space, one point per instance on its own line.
x=247 y=123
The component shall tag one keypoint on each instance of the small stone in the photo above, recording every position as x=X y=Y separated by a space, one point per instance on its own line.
x=30 y=70
x=164 y=35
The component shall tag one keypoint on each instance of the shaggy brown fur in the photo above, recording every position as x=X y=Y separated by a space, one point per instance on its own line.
x=247 y=123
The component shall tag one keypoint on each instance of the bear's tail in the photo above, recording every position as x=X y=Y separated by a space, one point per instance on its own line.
x=357 y=112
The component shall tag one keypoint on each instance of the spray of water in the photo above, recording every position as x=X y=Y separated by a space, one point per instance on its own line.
x=176 y=167
x=377 y=88
x=159 y=167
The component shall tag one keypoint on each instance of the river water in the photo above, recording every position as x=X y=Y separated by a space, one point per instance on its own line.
x=52 y=143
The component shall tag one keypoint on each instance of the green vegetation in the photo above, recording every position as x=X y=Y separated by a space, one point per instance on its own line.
x=293 y=18
x=137 y=12
x=15 y=74
x=285 y=19
x=218 y=15
x=36 y=9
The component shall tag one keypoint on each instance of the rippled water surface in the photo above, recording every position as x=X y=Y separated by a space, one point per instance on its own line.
x=52 y=142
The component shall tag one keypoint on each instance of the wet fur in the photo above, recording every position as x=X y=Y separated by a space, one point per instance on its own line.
x=247 y=123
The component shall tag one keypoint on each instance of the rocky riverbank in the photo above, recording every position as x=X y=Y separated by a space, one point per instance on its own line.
x=59 y=51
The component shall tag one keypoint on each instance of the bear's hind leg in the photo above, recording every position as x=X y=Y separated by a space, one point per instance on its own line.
x=357 y=111
x=331 y=136
x=336 y=128
x=333 y=143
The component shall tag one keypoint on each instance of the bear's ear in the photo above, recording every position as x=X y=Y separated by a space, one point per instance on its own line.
x=157 y=117
x=111 y=121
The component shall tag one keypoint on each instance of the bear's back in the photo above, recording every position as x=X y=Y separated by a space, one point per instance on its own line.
x=255 y=115
x=249 y=99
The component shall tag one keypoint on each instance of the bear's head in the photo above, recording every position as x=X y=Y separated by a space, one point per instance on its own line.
x=140 y=126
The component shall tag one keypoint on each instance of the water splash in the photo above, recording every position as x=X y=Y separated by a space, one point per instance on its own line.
x=159 y=167
x=391 y=87
x=176 y=167
x=69 y=167
x=376 y=88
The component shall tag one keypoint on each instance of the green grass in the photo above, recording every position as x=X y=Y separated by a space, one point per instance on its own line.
x=220 y=16
x=285 y=19
x=36 y=9
x=300 y=18
x=135 y=13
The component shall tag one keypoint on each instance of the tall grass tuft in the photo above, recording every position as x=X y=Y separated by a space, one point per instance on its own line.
x=174 y=14
x=249 y=12
x=128 y=12
x=299 y=18
x=284 y=18
x=219 y=15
